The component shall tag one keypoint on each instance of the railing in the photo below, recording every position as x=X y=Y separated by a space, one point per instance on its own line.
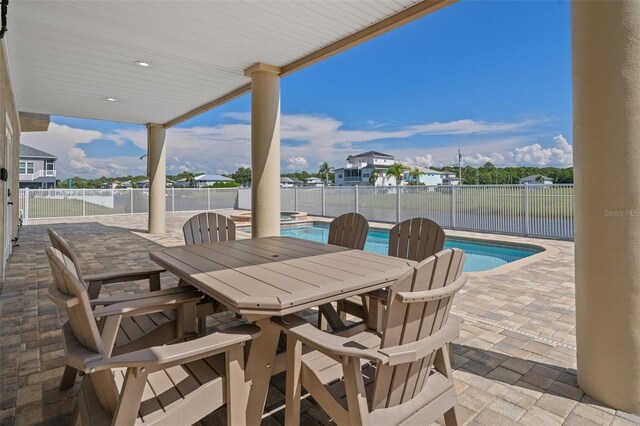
x=37 y=175
x=528 y=210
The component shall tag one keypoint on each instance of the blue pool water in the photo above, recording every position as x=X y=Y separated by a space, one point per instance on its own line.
x=481 y=256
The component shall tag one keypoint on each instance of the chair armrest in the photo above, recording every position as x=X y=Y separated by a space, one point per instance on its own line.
x=95 y=282
x=123 y=276
x=147 y=305
x=415 y=351
x=429 y=295
x=329 y=344
x=106 y=301
x=162 y=357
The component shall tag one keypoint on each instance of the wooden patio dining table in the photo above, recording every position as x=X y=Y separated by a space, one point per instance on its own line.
x=274 y=276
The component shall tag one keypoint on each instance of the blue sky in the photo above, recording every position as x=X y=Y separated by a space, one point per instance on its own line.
x=492 y=78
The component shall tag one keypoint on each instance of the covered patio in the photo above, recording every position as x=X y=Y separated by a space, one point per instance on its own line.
x=516 y=359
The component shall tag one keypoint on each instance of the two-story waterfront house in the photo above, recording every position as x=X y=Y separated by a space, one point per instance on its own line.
x=359 y=169
x=37 y=169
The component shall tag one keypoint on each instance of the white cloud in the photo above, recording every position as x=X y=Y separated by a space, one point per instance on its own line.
x=297 y=163
x=479 y=159
x=425 y=160
x=309 y=139
x=560 y=155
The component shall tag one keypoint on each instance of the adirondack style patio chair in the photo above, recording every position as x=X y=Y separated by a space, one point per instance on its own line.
x=134 y=332
x=208 y=227
x=401 y=375
x=348 y=230
x=413 y=239
x=173 y=384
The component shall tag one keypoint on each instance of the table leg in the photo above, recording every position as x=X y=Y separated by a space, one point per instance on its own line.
x=260 y=364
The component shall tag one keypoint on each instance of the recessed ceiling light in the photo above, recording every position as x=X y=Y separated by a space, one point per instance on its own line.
x=110 y=99
x=142 y=64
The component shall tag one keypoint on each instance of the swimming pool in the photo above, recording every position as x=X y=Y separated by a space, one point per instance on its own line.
x=481 y=256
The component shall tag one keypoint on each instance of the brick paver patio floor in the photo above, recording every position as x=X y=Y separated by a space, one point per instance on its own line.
x=514 y=361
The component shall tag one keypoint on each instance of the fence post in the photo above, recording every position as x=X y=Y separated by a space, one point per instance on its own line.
x=208 y=198
x=323 y=205
x=25 y=214
x=398 y=216
x=173 y=199
x=84 y=202
x=295 y=198
x=526 y=208
x=131 y=199
x=453 y=206
x=357 y=198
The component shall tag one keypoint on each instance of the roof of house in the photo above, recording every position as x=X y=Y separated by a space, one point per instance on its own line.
x=534 y=177
x=374 y=153
x=426 y=170
x=284 y=179
x=213 y=178
x=27 y=151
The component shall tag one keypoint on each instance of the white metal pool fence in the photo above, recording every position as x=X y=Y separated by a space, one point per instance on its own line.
x=527 y=210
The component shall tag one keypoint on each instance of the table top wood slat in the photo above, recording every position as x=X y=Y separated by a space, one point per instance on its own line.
x=304 y=271
x=251 y=267
x=279 y=275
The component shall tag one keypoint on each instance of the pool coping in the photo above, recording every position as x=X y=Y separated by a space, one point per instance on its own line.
x=545 y=250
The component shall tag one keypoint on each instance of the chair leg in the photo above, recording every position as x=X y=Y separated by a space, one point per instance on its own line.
x=237 y=390
x=293 y=386
x=154 y=282
x=451 y=417
x=202 y=326
x=356 y=395
x=322 y=322
x=68 y=378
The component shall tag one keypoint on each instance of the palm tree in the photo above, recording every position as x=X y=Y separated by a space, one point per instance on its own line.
x=375 y=173
x=397 y=171
x=324 y=171
x=415 y=174
x=189 y=177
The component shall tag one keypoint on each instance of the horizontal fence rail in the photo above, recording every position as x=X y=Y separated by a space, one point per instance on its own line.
x=528 y=210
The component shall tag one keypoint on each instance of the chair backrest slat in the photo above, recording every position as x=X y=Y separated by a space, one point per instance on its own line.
x=65 y=287
x=349 y=230
x=69 y=254
x=208 y=227
x=410 y=322
x=416 y=239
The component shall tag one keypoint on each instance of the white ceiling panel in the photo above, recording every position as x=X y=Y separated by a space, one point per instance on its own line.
x=66 y=57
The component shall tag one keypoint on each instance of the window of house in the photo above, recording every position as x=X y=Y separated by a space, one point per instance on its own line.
x=26 y=167
x=339 y=176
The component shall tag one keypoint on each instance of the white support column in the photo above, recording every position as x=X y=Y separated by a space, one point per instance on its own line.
x=265 y=149
x=606 y=134
x=157 y=157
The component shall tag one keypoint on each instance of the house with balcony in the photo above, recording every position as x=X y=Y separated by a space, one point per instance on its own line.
x=37 y=169
x=359 y=169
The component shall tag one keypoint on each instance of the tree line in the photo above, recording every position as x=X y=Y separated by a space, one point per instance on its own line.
x=487 y=174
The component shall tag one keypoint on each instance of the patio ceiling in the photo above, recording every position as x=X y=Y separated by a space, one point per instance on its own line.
x=67 y=57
